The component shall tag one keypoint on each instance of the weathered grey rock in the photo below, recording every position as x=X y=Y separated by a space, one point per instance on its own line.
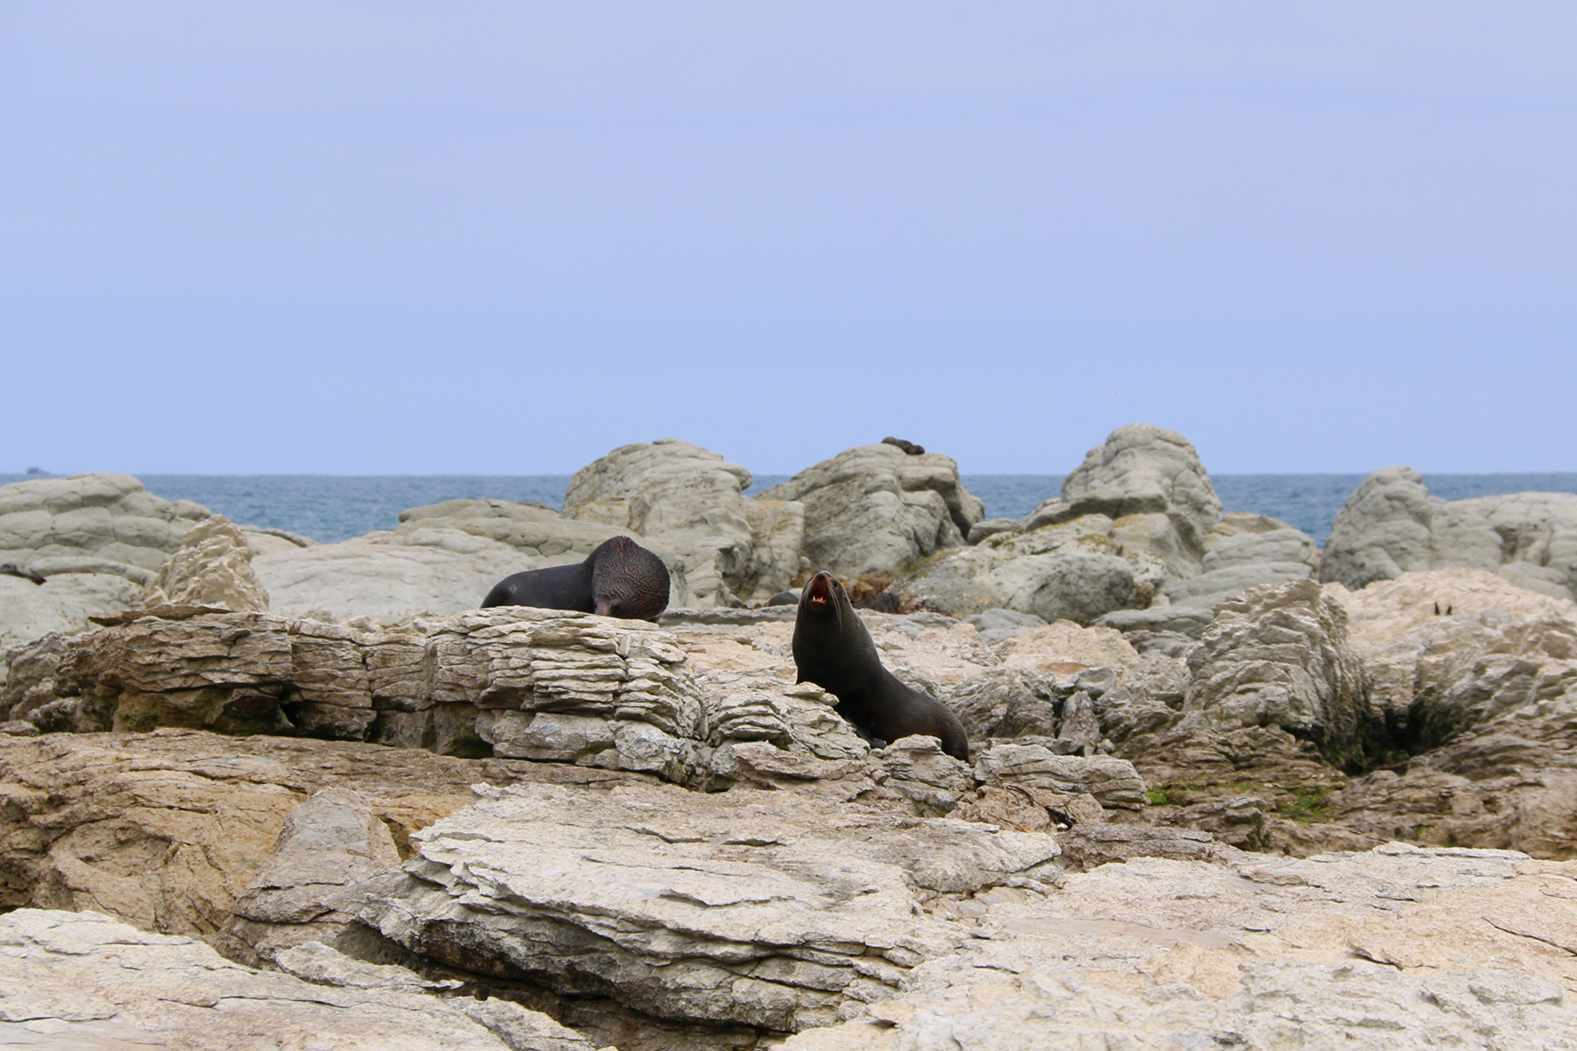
x=1394 y=949
x=212 y=567
x=1391 y=525
x=83 y=982
x=1064 y=572
x=1450 y=649
x=510 y=681
x=1279 y=655
x=94 y=537
x=689 y=503
x=1140 y=470
x=772 y=909
x=998 y=625
x=107 y=516
x=1242 y=558
x=63 y=604
x=535 y=530
x=991 y=527
x=388 y=575
x=1036 y=762
x=306 y=892
x=875 y=509
x=1185 y=620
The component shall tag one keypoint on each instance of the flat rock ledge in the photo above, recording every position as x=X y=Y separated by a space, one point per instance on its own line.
x=1393 y=949
x=778 y=910
x=83 y=981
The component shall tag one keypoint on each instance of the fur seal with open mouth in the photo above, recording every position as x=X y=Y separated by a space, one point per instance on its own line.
x=833 y=649
x=619 y=579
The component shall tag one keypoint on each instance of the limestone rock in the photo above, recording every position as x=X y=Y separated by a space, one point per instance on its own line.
x=167 y=830
x=991 y=527
x=306 y=892
x=1070 y=571
x=875 y=509
x=1065 y=648
x=1032 y=761
x=64 y=603
x=388 y=575
x=212 y=567
x=535 y=530
x=689 y=503
x=94 y=537
x=1391 y=525
x=1451 y=648
x=1265 y=552
x=80 y=981
x=1140 y=470
x=770 y=909
x=110 y=517
x=1279 y=655
x=1185 y=620
x=1396 y=948
x=999 y=625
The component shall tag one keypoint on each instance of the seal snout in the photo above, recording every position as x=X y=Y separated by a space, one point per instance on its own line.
x=818 y=596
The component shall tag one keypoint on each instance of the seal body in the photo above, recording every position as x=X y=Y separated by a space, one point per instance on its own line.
x=833 y=649
x=619 y=579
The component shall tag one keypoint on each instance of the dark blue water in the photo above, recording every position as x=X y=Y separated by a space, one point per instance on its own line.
x=331 y=507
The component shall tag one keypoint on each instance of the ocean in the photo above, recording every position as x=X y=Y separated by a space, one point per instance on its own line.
x=334 y=507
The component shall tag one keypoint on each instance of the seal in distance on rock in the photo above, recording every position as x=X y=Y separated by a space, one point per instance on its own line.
x=833 y=649
x=619 y=579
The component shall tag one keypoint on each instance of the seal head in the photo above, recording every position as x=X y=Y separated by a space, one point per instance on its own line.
x=834 y=650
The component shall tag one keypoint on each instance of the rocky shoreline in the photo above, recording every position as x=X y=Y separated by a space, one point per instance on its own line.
x=1227 y=788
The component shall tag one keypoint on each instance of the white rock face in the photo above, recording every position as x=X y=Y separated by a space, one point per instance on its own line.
x=1069 y=571
x=109 y=517
x=84 y=982
x=538 y=532
x=388 y=575
x=1390 y=950
x=1453 y=648
x=875 y=509
x=93 y=537
x=1279 y=655
x=771 y=909
x=1141 y=469
x=1391 y=525
x=689 y=504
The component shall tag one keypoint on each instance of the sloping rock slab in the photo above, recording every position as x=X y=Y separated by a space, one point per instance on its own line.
x=85 y=982
x=166 y=830
x=774 y=909
x=1390 y=950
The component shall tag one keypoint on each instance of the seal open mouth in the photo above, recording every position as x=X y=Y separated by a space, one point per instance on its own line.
x=820 y=598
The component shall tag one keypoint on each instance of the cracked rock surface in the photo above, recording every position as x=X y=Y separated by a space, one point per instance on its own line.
x=774 y=909
x=1397 y=948
x=86 y=982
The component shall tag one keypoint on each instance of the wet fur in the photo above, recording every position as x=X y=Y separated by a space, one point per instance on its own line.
x=833 y=649
x=619 y=579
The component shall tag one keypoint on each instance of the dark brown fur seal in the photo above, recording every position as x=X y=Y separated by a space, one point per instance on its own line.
x=907 y=446
x=619 y=579
x=833 y=649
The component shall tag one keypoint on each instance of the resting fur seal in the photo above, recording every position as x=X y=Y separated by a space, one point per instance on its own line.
x=833 y=649
x=619 y=579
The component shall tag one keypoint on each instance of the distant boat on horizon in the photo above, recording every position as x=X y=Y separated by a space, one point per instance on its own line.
x=37 y=472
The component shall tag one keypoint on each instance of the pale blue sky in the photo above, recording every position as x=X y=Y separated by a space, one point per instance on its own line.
x=505 y=238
